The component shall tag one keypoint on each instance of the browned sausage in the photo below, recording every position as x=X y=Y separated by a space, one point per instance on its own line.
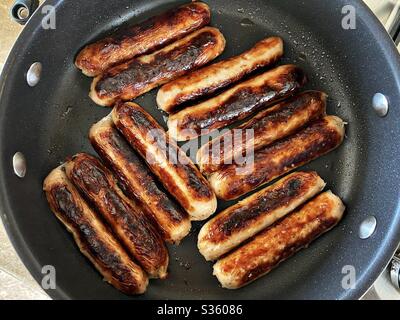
x=124 y=216
x=166 y=160
x=268 y=126
x=139 y=75
x=321 y=137
x=92 y=237
x=218 y=75
x=236 y=103
x=141 y=38
x=279 y=242
x=137 y=180
x=249 y=216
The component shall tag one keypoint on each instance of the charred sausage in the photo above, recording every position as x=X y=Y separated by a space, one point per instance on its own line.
x=236 y=103
x=249 y=216
x=280 y=241
x=321 y=137
x=93 y=238
x=125 y=217
x=135 y=77
x=266 y=127
x=137 y=180
x=166 y=160
x=142 y=38
x=209 y=79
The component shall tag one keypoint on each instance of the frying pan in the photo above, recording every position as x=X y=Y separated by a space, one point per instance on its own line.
x=50 y=121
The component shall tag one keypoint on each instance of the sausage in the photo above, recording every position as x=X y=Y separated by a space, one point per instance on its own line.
x=280 y=241
x=249 y=216
x=166 y=160
x=221 y=74
x=92 y=237
x=266 y=127
x=321 y=137
x=142 y=38
x=139 y=75
x=236 y=103
x=125 y=217
x=137 y=180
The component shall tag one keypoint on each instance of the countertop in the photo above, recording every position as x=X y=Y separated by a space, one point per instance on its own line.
x=15 y=281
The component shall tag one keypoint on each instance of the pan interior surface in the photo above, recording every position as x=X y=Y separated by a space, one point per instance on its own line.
x=51 y=121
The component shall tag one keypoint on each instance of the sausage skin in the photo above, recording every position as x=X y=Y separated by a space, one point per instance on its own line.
x=137 y=76
x=166 y=160
x=267 y=126
x=280 y=241
x=236 y=103
x=93 y=238
x=142 y=38
x=218 y=75
x=125 y=217
x=137 y=180
x=249 y=216
x=321 y=137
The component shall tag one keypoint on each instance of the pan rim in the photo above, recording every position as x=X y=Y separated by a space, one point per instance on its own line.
x=390 y=243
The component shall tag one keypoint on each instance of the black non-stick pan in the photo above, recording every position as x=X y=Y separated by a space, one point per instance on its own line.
x=50 y=121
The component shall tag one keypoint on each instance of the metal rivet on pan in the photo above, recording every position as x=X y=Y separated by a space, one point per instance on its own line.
x=367 y=227
x=19 y=164
x=33 y=74
x=380 y=104
x=23 y=12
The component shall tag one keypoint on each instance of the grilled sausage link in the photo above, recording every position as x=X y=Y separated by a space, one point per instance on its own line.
x=268 y=126
x=124 y=216
x=92 y=236
x=139 y=75
x=166 y=160
x=321 y=137
x=236 y=103
x=142 y=38
x=221 y=74
x=249 y=216
x=280 y=241
x=137 y=180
